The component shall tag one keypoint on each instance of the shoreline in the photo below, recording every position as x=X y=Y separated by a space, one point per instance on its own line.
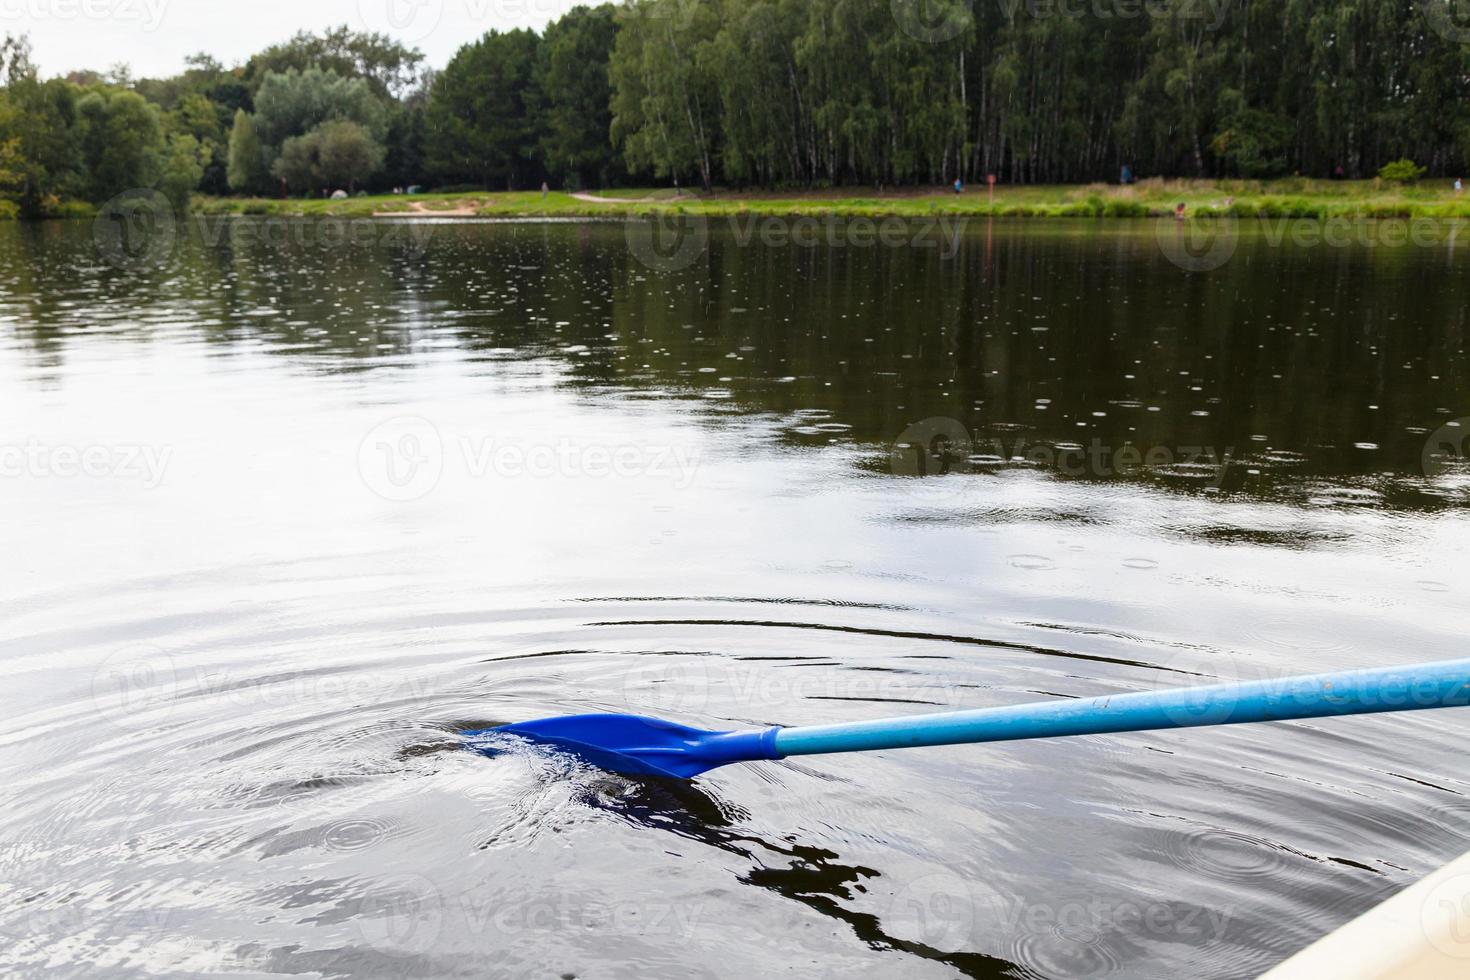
x=1287 y=198
x=1291 y=198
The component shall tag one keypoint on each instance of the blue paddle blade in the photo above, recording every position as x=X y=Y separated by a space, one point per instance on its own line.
x=636 y=745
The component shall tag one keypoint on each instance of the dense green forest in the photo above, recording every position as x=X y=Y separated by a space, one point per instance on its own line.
x=769 y=93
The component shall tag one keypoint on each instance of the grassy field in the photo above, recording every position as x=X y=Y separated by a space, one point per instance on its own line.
x=1293 y=197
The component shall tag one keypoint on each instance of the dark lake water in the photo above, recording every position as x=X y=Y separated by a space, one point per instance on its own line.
x=286 y=507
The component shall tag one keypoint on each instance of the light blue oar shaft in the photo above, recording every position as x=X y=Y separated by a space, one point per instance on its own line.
x=1437 y=685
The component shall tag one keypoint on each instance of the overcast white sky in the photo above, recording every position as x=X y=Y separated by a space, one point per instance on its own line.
x=153 y=36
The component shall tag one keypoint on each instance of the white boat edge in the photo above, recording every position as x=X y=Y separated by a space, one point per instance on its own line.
x=1422 y=933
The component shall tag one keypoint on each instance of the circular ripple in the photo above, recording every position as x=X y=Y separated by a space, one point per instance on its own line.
x=1226 y=855
x=355 y=835
x=1067 y=950
x=1289 y=635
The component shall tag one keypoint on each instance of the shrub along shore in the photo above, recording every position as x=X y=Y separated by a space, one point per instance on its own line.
x=1289 y=198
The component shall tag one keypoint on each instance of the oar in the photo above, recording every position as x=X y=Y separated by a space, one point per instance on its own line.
x=648 y=746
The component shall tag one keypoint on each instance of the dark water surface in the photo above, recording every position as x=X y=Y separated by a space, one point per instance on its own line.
x=283 y=513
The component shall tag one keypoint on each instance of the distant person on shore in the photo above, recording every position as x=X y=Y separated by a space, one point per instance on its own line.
x=1179 y=212
x=1459 y=185
x=959 y=186
x=545 y=189
x=1338 y=173
x=1127 y=176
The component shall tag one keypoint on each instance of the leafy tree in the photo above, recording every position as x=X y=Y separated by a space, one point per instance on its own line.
x=299 y=161
x=404 y=151
x=197 y=117
x=12 y=165
x=1168 y=112
x=335 y=154
x=121 y=140
x=1402 y=171
x=1255 y=143
x=387 y=66
x=184 y=163
x=479 y=124
x=348 y=153
x=15 y=58
x=294 y=102
x=200 y=102
x=572 y=79
x=247 y=170
x=665 y=104
x=39 y=121
x=768 y=124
